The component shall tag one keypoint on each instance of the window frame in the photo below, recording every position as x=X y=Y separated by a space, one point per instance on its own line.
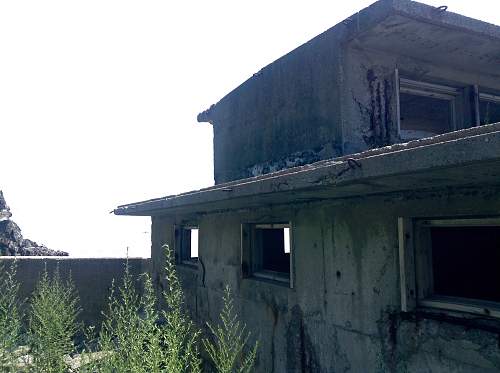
x=425 y=89
x=488 y=97
x=416 y=271
x=464 y=99
x=182 y=253
x=251 y=256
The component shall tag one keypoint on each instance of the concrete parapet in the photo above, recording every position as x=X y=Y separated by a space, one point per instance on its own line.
x=92 y=278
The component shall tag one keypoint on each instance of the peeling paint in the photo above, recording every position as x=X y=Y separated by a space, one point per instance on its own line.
x=293 y=160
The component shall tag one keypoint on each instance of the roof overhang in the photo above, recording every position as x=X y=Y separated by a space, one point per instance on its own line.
x=430 y=34
x=457 y=159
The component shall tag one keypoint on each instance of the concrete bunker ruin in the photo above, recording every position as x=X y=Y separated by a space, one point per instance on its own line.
x=356 y=206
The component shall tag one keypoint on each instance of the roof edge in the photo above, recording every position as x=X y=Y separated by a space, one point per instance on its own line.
x=488 y=133
x=369 y=17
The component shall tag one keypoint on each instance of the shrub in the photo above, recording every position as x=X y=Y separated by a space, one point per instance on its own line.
x=230 y=340
x=129 y=339
x=10 y=317
x=52 y=323
x=132 y=339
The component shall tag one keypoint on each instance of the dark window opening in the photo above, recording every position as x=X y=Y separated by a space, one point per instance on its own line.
x=274 y=249
x=465 y=262
x=424 y=116
x=188 y=244
x=489 y=112
x=267 y=252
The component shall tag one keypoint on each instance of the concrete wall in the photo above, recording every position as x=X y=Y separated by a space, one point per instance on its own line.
x=343 y=314
x=285 y=115
x=92 y=278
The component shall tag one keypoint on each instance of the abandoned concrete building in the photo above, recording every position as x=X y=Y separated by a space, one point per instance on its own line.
x=356 y=206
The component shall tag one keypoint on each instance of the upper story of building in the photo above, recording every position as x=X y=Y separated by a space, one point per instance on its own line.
x=396 y=71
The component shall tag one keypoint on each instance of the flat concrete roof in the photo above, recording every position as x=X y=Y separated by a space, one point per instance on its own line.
x=461 y=158
x=412 y=29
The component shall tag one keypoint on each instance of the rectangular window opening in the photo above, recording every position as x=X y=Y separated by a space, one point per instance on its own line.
x=187 y=243
x=425 y=109
x=450 y=264
x=267 y=251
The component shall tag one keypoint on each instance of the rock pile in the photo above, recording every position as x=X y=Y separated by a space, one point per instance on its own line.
x=12 y=242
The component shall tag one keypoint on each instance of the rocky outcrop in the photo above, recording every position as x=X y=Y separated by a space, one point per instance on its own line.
x=12 y=242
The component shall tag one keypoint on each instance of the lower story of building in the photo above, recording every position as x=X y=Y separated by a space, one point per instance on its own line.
x=401 y=282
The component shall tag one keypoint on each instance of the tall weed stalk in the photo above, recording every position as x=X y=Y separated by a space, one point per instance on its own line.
x=133 y=340
x=180 y=335
x=53 y=323
x=227 y=347
x=10 y=317
x=129 y=340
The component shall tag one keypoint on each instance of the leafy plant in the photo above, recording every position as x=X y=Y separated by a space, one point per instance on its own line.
x=53 y=323
x=227 y=351
x=10 y=317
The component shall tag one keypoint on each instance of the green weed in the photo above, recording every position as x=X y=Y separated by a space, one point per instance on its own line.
x=227 y=350
x=10 y=317
x=52 y=323
x=133 y=340
x=129 y=340
x=179 y=333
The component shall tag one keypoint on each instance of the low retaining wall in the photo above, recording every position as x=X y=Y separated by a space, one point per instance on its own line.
x=92 y=278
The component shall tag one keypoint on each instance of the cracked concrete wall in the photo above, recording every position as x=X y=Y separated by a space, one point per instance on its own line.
x=343 y=314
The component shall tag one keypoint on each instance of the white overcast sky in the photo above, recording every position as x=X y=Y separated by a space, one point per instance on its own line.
x=98 y=102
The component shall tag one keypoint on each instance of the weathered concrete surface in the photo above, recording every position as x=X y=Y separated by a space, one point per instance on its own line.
x=92 y=278
x=343 y=314
x=344 y=311
x=336 y=94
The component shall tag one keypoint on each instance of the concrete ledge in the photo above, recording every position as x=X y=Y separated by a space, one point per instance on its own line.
x=92 y=278
x=459 y=158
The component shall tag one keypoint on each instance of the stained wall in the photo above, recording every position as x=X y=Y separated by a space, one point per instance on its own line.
x=344 y=311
